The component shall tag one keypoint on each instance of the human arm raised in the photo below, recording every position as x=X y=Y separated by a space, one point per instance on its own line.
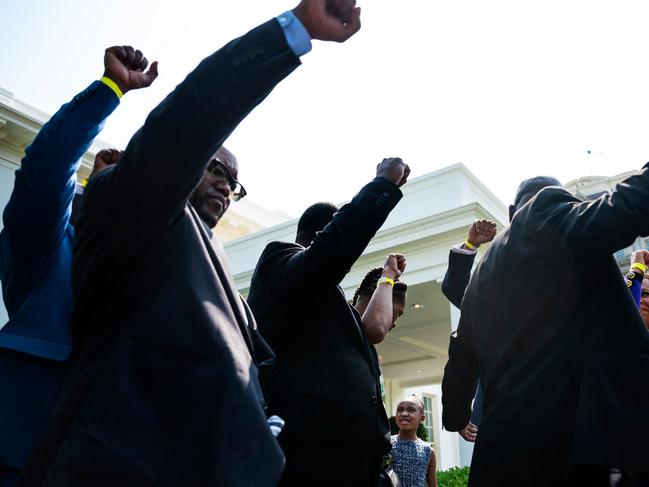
x=167 y=157
x=592 y=228
x=460 y=260
x=333 y=251
x=637 y=270
x=378 y=317
x=126 y=67
x=44 y=186
x=329 y=20
x=105 y=158
x=480 y=232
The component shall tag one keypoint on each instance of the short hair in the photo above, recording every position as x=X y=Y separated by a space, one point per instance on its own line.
x=529 y=187
x=369 y=282
x=315 y=218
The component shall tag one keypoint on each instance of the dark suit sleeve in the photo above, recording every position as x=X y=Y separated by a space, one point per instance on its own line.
x=476 y=414
x=460 y=376
x=593 y=228
x=166 y=158
x=334 y=250
x=457 y=276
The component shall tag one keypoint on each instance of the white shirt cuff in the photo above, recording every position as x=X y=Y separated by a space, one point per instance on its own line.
x=459 y=249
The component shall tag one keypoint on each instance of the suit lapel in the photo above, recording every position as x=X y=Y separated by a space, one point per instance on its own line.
x=358 y=325
x=217 y=256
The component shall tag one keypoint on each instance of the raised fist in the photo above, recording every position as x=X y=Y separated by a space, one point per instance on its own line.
x=125 y=66
x=640 y=257
x=394 y=266
x=393 y=169
x=481 y=232
x=105 y=158
x=329 y=20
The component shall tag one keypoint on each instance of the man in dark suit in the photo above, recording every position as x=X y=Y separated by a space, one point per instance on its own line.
x=551 y=330
x=325 y=382
x=163 y=389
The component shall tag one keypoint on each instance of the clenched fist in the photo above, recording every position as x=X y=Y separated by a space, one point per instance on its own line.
x=640 y=257
x=481 y=232
x=394 y=266
x=105 y=158
x=329 y=20
x=393 y=169
x=125 y=66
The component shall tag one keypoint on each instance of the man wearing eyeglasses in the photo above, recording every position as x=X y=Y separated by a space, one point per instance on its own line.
x=212 y=196
x=164 y=387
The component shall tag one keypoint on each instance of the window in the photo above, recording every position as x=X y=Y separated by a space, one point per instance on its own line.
x=429 y=412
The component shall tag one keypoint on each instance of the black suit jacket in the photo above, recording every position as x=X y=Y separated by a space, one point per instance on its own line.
x=163 y=389
x=562 y=353
x=456 y=279
x=325 y=379
x=457 y=276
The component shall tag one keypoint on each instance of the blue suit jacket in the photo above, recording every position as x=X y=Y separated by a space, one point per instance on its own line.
x=35 y=260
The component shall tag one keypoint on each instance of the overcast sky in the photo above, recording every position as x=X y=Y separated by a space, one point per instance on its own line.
x=510 y=88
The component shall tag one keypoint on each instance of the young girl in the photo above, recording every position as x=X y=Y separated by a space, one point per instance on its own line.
x=413 y=460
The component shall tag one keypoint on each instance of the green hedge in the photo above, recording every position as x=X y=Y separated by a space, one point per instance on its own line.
x=453 y=477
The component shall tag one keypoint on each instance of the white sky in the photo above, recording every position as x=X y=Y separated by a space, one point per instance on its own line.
x=510 y=88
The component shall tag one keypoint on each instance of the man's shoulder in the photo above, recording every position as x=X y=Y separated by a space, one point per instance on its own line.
x=273 y=255
x=551 y=196
x=277 y=248
x=545 y=203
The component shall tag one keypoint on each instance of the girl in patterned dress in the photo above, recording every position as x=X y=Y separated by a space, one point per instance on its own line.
x=413 y=460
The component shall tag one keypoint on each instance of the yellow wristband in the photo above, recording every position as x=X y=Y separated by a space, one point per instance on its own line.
x=386 y=280
x=84 y=182
x=112 y=85
x=641 y=267
x=469 y=245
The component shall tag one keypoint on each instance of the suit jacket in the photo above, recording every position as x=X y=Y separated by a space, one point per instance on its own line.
x=164 y=389
x=325 y=379
x=456 y=279
x=457 y=276
x=562 y=354
x=35 y=260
